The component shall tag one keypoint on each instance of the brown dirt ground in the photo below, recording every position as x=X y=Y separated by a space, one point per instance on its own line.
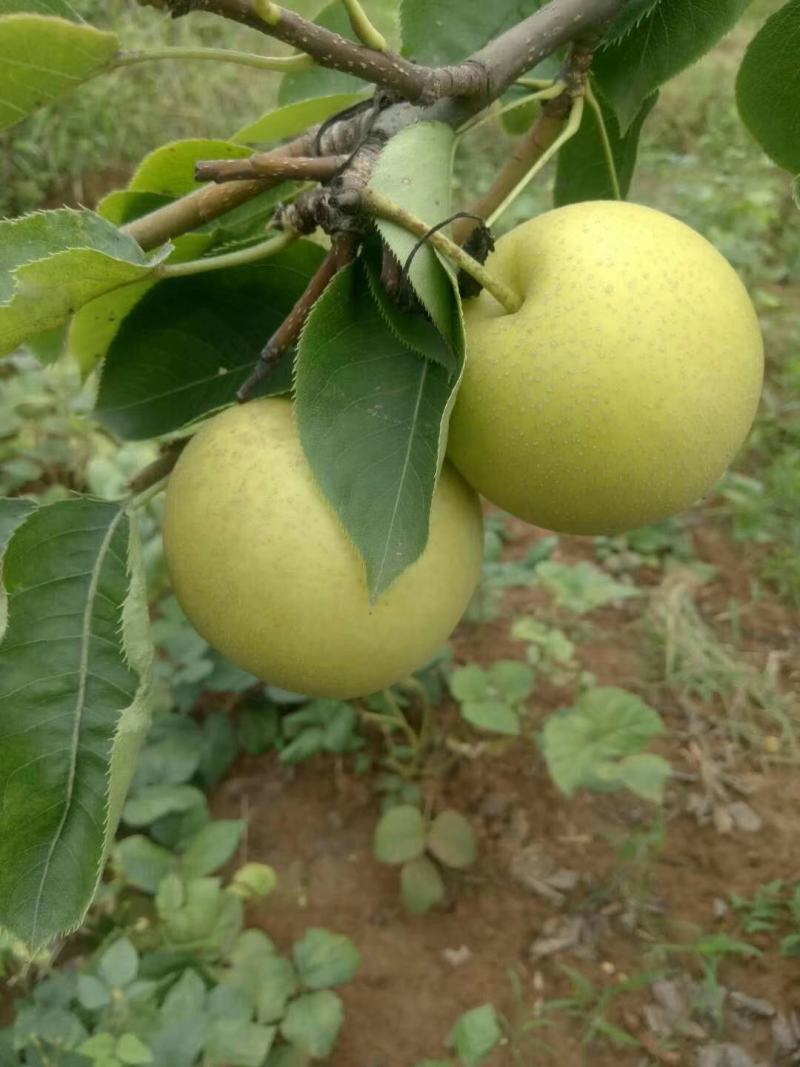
x=314 y=824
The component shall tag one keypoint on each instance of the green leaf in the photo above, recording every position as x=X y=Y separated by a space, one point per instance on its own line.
x=92 y=993
x=582 y=171
x=452 y=840
x=190 y=343
x=581 y=587
x=259 y=729
x=75 y=664
x=57 y=8
x=212 y=847
x=768 y=87
x=427 y=197
x=13 y=512
x=495 y=715
x=254 y=881
x=143 y=863
x=119 y=964
x=668 y=37
x=43 y=58
x=512 y=679
x=605 y=725
x=421 y=885
x=219 y=741
x=320 y=81
x=476 y=1034
x=436 y=32
x=340 y=727
x=644 y=774
x=169 y=170
x=94 y=326
x=400 y=835
x=288 y=121
x=229 y=1002
x=370 y=415
x=307 y=743
x=413 y=328
x=125 y=205
x=156 y=801
x=312 y=1023
x=133 y=1051
x=324 y=959
x=469 y=683
x=232 y=1043
x=268 y=979
x=53 y=262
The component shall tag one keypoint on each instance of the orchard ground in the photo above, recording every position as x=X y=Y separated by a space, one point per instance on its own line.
x=711 y=641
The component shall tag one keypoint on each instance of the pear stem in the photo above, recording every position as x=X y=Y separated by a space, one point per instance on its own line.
x=382 y=207
x=594 y=104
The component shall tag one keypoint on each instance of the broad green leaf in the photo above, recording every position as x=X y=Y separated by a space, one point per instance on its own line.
x=57 y=8
x=436 y=32
x=514 y=680
x=476 y=1034
x=605 y=725
x=288 y=121
x=169 y=169
x=370 y=414
x=582 y=171
x=156 y=801
x=668 y=37
x=268 y=979
x=212 y=847
x=307 y=744
x=228 y=1002
x=413 y=328
x=132 y=1051
x=75 y=664
x=92 y=993
x=190 y=343
x=341 y=727
x=53 y=262
x=119 y=964
x=400 y=835
x=495 y=715
x=644 y=774
x=325 y=959
x=320 y=81
x=581 y=587
x=312 y=1023
x=13 y=512
x=452 y=840
x=421 y=885
x=768 y=87
x=42 y=58
x=287 y=1056
x=143 y=863
x=232 y=1043
x=254 y=881
x=125 y=205
x=427 y=197
x=94 y=326
x=469 y=683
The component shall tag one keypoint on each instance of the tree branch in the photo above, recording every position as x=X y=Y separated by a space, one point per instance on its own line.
x=266 y=165
x=343 y=251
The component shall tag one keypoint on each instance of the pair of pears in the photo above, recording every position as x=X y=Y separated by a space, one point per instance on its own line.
x=616 y=396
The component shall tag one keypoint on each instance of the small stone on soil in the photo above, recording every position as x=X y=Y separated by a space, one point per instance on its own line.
x=726 y=1055
x=535 y=870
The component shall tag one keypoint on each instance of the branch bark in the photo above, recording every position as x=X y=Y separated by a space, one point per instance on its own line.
x=266 y=165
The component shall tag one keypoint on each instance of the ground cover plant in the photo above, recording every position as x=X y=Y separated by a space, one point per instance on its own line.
x=324 y=822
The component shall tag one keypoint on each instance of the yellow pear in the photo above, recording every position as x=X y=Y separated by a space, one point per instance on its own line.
x=624 y=385
x=265 y=572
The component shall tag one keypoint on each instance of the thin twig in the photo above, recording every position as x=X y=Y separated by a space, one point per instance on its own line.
x=381 y=206
x=156 y=472
x=286 y=64
x=343 y=250
x=266 y=165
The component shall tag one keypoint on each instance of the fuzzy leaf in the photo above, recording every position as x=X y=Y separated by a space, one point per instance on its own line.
x=370 y=414
x=189 y=344
x=768 y=87
x=667 y=38
x=212 y=847
x=292 y=119
x=476 y=1034
x=43 y=58
x=312 y=1023
x=325 y=959
x=582 y=172
x=53 y=262
x=75 y=664
x=494 y=715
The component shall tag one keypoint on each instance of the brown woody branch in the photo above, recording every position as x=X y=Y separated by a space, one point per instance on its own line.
x=267 y=165
x=343 y=251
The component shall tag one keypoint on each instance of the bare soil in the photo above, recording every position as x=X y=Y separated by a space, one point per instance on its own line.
x=314 y=824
